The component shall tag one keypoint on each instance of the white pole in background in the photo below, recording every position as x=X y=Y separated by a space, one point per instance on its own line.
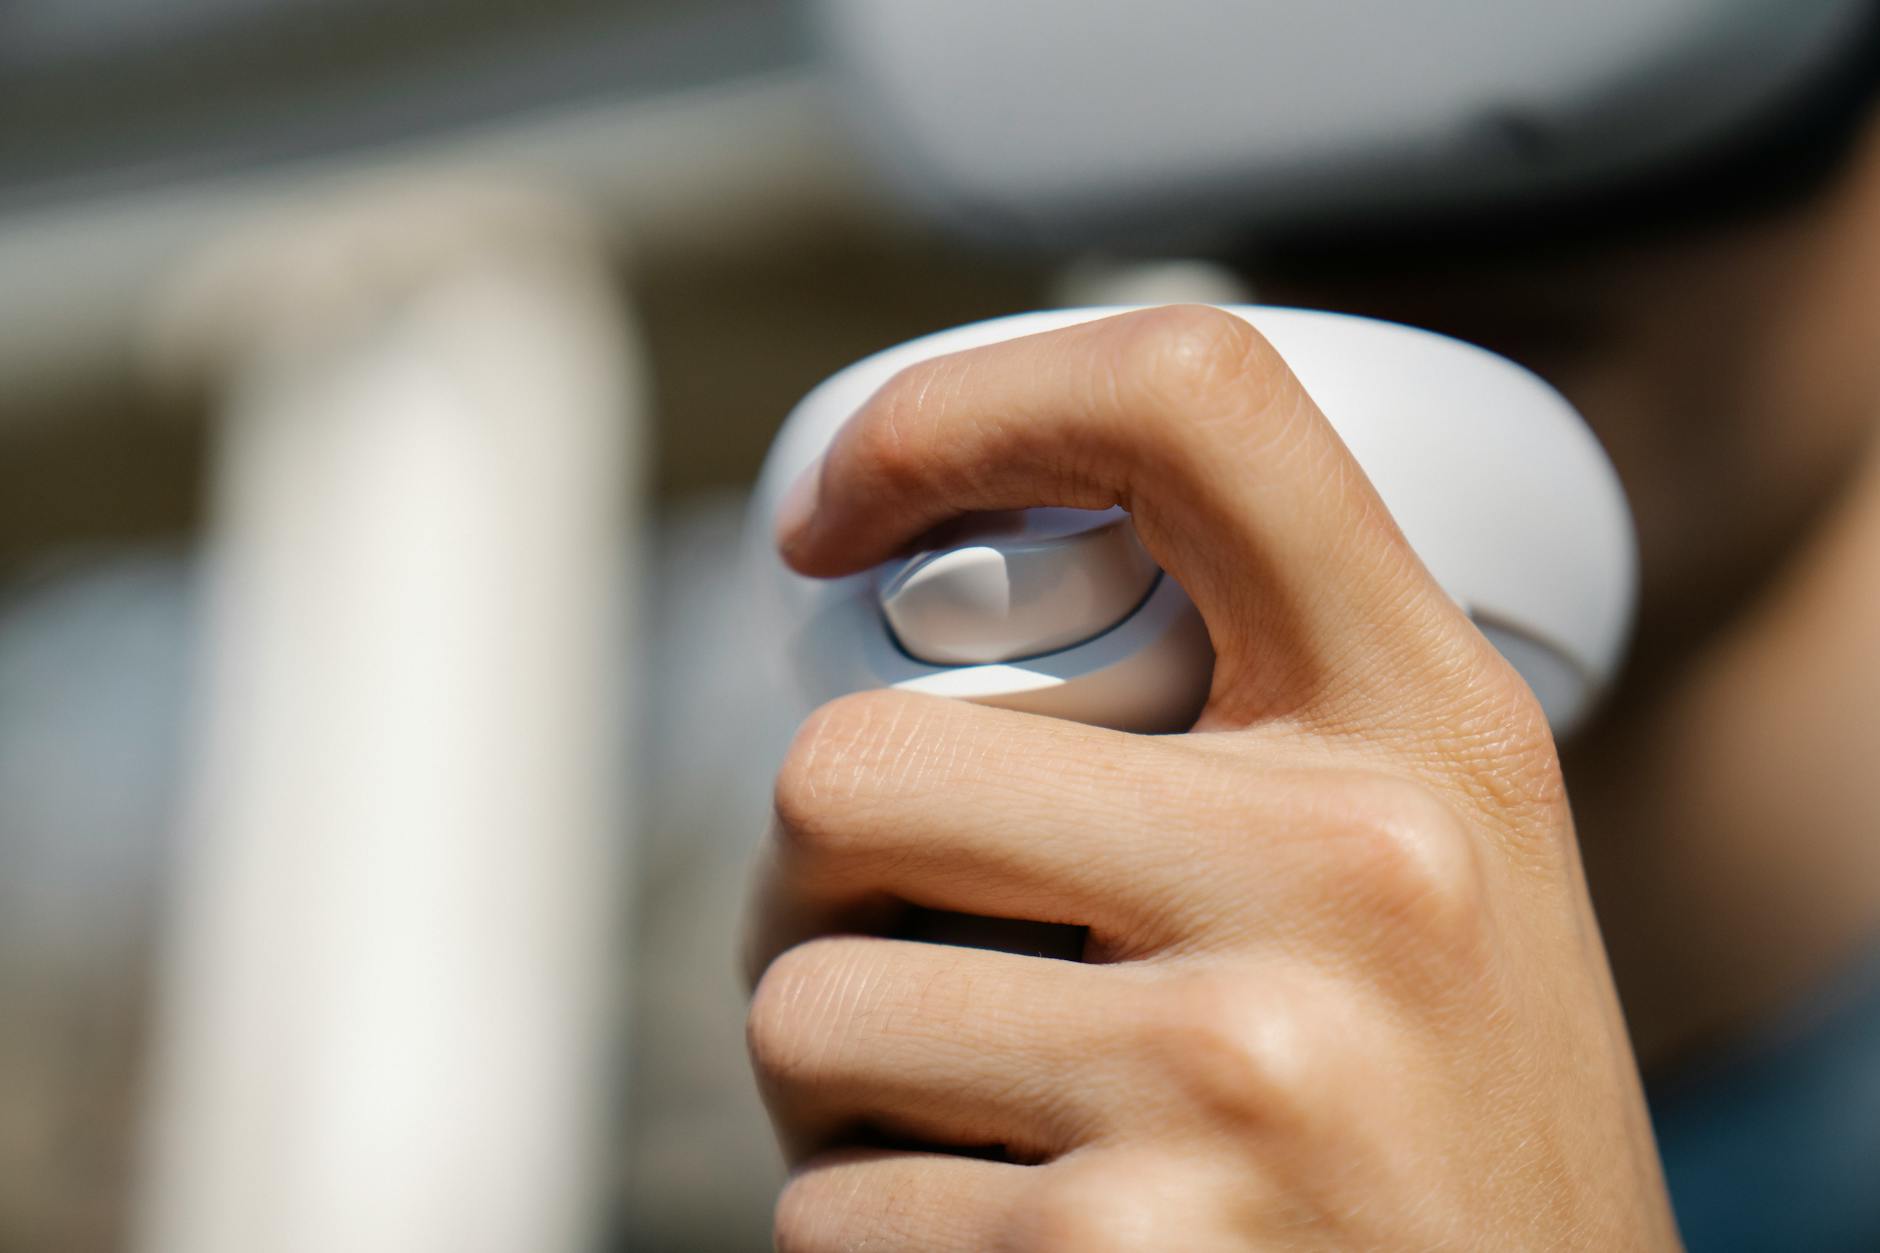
x=391 y=995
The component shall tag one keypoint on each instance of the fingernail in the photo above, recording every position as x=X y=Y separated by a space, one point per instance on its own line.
x=798 y=505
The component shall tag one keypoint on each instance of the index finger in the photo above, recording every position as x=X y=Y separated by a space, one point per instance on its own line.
x=1188 y=418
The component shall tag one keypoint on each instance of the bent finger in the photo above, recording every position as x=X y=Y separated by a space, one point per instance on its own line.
x=911 y=1202
x=1188 y=418
x=934 y=1044
x=888 y=799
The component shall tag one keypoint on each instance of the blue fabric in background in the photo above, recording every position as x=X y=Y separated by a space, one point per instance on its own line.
x=1775 y=1145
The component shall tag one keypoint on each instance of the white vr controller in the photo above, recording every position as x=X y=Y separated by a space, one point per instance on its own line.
x=1498 y=485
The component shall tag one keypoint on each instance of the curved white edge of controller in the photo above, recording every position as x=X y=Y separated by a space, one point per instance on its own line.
x=1492 y=476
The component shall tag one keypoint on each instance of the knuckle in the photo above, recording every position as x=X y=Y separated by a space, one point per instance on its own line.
x=1508 y=750
x=1240 y=1055
x=825 y=768
x=1196 y=353
x=785 y=1029
x=1085 y=1208
x=1408 y=861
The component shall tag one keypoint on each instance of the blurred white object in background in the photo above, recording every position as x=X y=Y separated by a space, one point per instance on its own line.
x=391 y=983
x=685 y=172
x=1195 y=121
x=1100 y=280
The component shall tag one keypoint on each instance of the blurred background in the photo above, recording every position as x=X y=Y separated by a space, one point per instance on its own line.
x=185 y=187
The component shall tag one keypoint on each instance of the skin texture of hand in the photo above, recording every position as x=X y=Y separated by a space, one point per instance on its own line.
x=1342 y=985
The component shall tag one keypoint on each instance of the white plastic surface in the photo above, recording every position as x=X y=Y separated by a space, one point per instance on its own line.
x=1059 y=113
x=1027 y=583
x=1494 y=479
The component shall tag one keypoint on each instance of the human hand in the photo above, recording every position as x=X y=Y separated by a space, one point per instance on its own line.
x=1343 y=986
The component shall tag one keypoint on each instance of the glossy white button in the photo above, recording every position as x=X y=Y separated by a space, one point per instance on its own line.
x=1019 y=585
